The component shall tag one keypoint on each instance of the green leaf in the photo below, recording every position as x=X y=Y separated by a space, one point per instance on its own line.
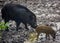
x=3 y=26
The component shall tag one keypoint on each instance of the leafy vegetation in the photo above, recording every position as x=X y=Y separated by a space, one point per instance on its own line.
x=3 y=26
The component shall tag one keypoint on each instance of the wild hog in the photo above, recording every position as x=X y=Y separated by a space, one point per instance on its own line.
x=46 y=29
x=19 y=14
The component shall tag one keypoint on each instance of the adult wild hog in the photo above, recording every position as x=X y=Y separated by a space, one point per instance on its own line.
x=19 y=14
x=46 y=29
